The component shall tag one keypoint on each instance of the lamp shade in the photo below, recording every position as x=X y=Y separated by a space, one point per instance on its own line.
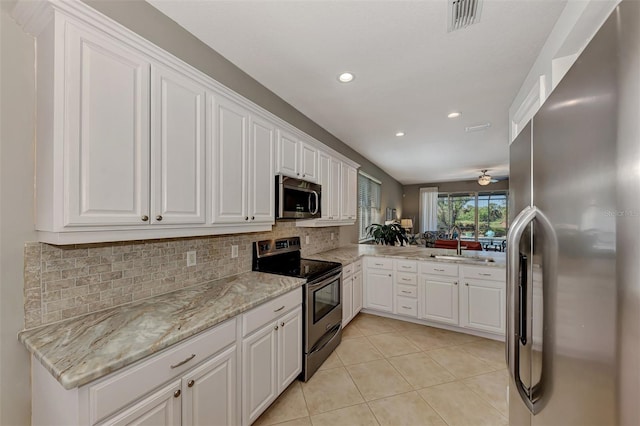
x=406 y=223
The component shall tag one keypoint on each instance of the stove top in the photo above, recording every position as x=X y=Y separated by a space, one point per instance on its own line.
x=282 y=257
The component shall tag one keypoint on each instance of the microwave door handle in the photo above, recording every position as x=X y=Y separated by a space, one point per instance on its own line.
x=317 y=202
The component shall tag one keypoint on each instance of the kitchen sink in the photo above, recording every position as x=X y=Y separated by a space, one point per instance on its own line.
x=465 y=258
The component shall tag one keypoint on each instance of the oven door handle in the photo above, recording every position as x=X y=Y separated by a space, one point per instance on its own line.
x=326 y=339
x=314 y=286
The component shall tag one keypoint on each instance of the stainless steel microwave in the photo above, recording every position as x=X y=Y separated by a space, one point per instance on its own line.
x=297 y=199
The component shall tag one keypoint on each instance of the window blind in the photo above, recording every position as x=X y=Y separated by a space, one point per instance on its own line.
x=368 y=203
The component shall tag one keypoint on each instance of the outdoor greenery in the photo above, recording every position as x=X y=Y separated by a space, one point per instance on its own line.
x=460 y=209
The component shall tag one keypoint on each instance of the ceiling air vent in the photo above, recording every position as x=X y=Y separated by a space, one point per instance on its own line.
x=463 y=13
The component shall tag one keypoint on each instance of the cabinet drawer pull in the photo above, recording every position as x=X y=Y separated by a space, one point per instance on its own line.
x=467 y=284
x=484 y=275
x=282 y=324
x=406 y=279
x=191 y=383
x=159 y=218
x=389 y=274
x=276 y=327
x=279 y=309
x=406 y=267
x=438 y=270
x=144 y=218
x=378 y=264
x=407 y=307
x=184 y=362
x=405 y=291
x=455 y=283
x=177 y=393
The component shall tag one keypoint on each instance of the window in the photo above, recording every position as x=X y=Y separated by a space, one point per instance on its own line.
x=368 y=203
x=479 y=215
x=428 y=209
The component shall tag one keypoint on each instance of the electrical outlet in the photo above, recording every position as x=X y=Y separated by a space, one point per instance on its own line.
x=191 y=258
x=234 y=251
x=332 y=236
x=306 y=239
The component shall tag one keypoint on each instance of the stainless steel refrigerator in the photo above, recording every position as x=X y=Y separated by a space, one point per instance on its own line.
x=573 y=272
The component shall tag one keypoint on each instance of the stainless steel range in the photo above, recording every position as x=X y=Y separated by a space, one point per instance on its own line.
x=322 y=300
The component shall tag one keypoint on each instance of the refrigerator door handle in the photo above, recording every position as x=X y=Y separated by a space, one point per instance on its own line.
x=534 y=399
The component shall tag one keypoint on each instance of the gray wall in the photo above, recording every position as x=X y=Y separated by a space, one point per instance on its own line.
x=411 y=194
x=151 y=24
x=17 y=92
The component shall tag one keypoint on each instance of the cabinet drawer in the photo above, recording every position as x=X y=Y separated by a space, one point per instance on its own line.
x=407 y=290
x=347 y=270
x=439 y=268
x=406 y=306
x=113 y=393
x=406 y=266
x=380 y=263
x=357 y=266
x=484 y=273
x=269 y=311
x=404 y=278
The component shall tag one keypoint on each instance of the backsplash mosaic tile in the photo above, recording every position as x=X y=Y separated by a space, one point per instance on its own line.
x=62 y=282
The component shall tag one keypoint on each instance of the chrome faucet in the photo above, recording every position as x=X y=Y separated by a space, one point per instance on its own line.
x=457 y=228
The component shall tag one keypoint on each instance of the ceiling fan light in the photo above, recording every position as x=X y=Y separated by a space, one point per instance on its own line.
x=484 y=179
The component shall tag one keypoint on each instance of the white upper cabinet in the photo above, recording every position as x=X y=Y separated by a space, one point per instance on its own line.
x=133 y=143
x=178 y=148
x=261 y=170
x=349 y=204
x=329 y=174
x=297 y=158
x=242 y=158
x=106 y=131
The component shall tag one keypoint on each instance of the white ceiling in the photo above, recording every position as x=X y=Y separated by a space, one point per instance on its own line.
x=410 y=72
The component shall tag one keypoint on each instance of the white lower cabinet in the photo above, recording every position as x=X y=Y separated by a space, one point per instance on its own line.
x=271 y=352
x=483 y=305
x=351 y=291
x=379 y=288
x=440 y=299
x=161 y=408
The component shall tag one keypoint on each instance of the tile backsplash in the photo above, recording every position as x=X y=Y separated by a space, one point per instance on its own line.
x=62 y=282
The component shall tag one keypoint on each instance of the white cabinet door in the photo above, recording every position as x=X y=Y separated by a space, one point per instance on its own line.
x=161 y=408
x=259 y=375
x=177 y=148
x=379 y=290
x=324 y=174
x=348 y=206
x=347 y=300
x=228 y=174
x=106 y=112
x=357 y=293
x=483 y=305
x=440 y=300
x=209 y=392
x=335 y=189
x=288 y=155
x=289 y=348
x=261 y=171
x=308 y=162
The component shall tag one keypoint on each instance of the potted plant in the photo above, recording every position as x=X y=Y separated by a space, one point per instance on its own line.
x=387 y=234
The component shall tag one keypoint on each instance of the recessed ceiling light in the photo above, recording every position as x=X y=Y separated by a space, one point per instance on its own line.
x=346 y=77
x=454 y=114
x=399 y=134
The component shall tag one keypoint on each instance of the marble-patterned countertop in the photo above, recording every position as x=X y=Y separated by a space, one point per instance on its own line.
x=352 y=252
x=83 y=349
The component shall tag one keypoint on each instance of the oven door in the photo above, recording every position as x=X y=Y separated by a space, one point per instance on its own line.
x=323 y=307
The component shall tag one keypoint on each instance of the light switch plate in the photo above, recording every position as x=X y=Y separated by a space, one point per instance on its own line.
x=234 y=251
x=191 y=258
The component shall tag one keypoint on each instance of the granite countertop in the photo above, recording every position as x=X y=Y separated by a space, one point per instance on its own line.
x=350 y=253
x=83 y=349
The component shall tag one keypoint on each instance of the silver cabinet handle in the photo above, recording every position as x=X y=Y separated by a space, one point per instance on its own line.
x=438 y=270
x=275 y=328
x=406 y=279
x=485 y=275
x=144 y=218
x=377 y=264
x=407 y=307
x=191 y=383
x=177 y=394
x=279 y=309
x=405 y=291
x=159 y=218
x=184 y=362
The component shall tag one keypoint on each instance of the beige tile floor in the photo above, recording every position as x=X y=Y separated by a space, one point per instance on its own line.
x=390 y=372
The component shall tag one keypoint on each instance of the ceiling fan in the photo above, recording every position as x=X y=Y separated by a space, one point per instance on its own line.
x=485 y=179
